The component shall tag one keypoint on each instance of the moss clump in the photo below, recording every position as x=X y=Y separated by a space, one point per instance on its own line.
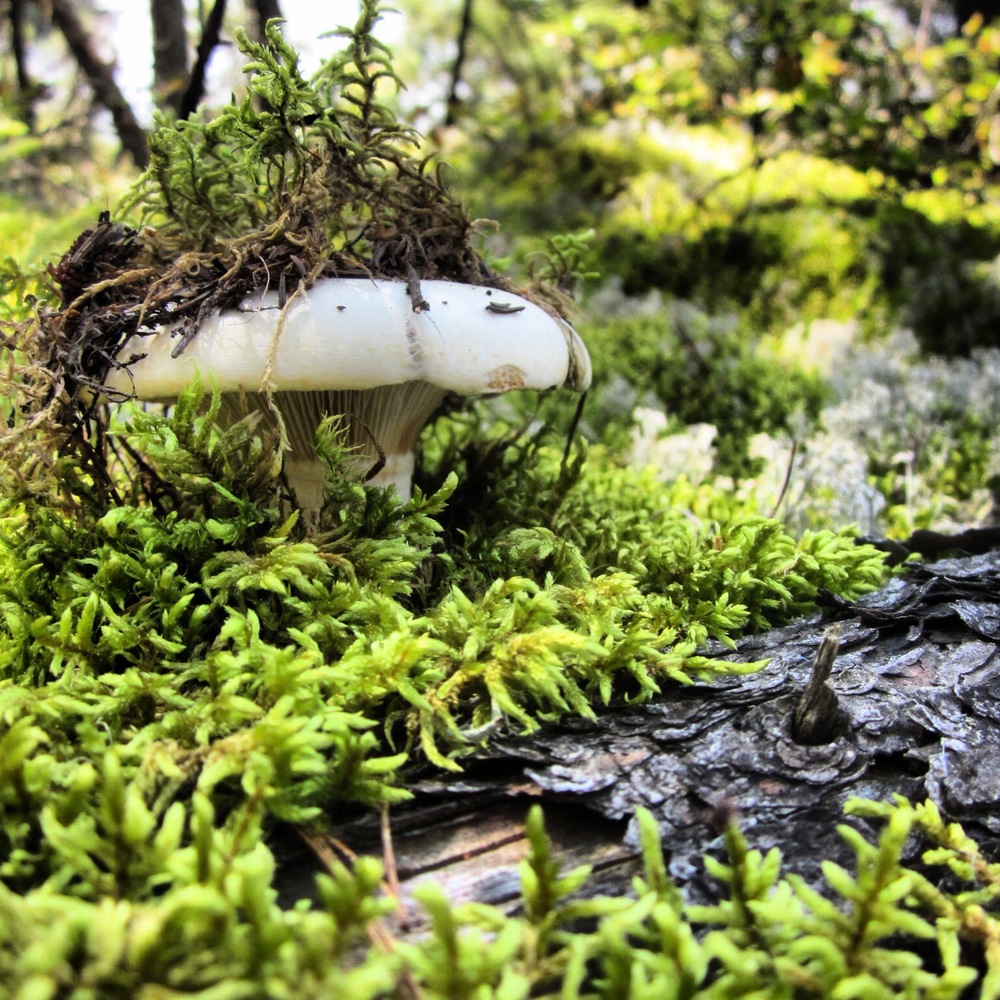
x=192 y=624
x=320 y=167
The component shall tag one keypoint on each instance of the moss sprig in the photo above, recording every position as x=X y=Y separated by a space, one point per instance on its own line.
x=320 y=166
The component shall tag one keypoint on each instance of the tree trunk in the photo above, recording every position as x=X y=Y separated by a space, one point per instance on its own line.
x=170 y=54
x=464 y=31
x=210 y=33
x=25 y=88
x=101 y=79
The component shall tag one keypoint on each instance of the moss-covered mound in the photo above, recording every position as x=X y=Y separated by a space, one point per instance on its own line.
x=181 y=668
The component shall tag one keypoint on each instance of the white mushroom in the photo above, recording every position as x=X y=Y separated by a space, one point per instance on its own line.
x=355 y=347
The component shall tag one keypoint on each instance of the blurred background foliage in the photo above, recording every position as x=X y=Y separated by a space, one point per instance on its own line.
x=770 y=194
x=825 y=159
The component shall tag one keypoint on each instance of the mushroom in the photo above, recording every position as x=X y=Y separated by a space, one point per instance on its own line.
x=356 y=347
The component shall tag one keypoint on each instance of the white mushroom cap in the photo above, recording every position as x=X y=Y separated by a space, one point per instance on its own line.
x=344 y=337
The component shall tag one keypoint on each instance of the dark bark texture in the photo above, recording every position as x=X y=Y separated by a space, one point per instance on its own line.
x=916 y=689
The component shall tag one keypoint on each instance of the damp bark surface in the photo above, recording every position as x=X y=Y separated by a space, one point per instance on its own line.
x=914 y=701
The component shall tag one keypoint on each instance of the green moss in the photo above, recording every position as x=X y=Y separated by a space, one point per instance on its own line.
x=302 y=177
x=217 y=930
x=196 y=627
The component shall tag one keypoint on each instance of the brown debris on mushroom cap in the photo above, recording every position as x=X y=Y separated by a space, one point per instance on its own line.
x=116 y=282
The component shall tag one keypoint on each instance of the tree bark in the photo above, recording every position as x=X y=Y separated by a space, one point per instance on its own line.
x=170 y=54
x=101 y=79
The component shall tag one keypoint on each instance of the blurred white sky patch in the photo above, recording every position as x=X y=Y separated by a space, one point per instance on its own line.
x=130 y=39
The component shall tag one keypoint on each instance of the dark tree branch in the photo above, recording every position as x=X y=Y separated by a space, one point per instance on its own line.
x=25 y=88
x=170 y=58
x=101 y=79
x=464 y=30
x=210 y=34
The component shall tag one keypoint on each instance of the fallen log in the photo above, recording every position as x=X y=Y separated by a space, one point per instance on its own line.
x=911 y=707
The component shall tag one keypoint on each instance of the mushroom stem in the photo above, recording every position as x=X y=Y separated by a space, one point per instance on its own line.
x=306 y=477
x=380 y=425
